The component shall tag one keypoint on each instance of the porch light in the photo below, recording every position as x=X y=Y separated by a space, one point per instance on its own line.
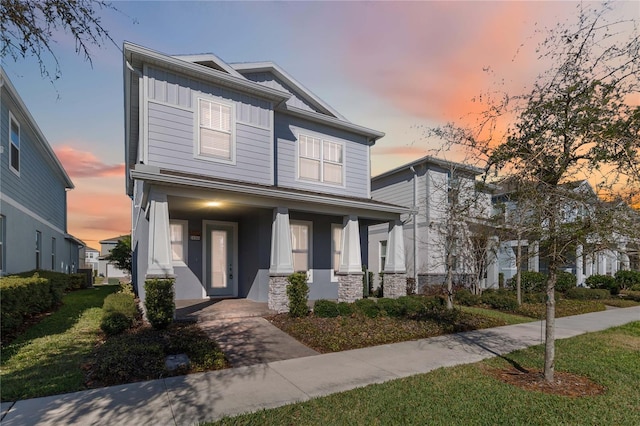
x=214 y=204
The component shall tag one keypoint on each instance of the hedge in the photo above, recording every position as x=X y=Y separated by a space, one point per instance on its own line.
x=581 y=293
x=159 y=302
x=23 y=297
x=119 y=312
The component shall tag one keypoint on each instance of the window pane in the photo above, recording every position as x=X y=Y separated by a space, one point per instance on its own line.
x=215 y=144
x=15 y=134
x=205 y=113
x=15 y=158
x=309 y=147
x=225 y=118
x=337 y=245
x=332 y=152
x=333 y=173
x=309 y=169
x=300 y=262
x=177 y=251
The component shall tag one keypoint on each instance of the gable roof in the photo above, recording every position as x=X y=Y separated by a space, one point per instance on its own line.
x=428 y=159
x=113 y=240
x=210 y=60
x=50 y=156
x=276 y=70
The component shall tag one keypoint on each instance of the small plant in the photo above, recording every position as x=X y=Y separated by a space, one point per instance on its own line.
x=466 y=298
x=119 y=312
x=581 y=293
x=367 y=307
x=627 y=279
x=565 y=281
x=114 y=323
x=325 y=309
x=530 y=282
x=603 y=282
x=298 y=294
x=390 y=307
x=346 y=309
x=159 y=302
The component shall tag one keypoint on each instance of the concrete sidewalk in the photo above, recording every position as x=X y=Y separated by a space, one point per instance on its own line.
x=208 y=396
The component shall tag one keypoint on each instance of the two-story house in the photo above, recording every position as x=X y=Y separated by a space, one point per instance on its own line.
x=239 y=176
x=106 y=268
x=446 y=228
x=33 y=194
x=91 y=260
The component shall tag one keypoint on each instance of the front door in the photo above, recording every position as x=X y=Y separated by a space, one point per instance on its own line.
x=221 y=257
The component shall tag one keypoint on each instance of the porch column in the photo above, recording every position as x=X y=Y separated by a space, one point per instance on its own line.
x=579 y=266
x=625 y=263
x=493 y=267
x=614 y=261
x=534 y=256
x=281 y=260
x=588 y=260
x=602 y=264
x=160 y=264
x=350 y=287
x=395 y=268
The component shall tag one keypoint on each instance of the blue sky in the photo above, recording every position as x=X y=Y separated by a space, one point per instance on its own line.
x=393 y=67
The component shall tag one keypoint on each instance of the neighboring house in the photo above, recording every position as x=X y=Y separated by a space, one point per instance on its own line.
x=91 y=258
x=604 y=256
x=448 y=214
x=33 y=194
x=239 y=176
x=105 y=268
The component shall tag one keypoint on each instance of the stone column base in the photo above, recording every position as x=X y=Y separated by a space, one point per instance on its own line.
x=350 y=287
x=395 y=285
x=278 y=300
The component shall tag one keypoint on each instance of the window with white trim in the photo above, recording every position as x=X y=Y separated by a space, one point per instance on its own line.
x=14 y=145
x=215 y=131
x=301 y=245
x=38 y=249
x=179 y=240
x=53 y=254
x=336 y=246
x=383 y=255
x=320 y=160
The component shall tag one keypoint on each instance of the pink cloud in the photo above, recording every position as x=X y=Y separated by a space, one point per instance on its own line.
x=80 y=164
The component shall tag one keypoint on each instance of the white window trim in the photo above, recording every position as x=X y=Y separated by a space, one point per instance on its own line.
x=323 y=139
x=196 y=130
x=309 y=224
x=185 y=241
x=13 y=118
x=334 y=268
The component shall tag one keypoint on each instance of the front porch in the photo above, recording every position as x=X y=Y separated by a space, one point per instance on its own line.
x=216 y=309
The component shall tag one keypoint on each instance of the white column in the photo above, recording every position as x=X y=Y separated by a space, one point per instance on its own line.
x=579 y=265
x=534 y=257
x=614 y=261
x=602 y=264
x=395 y=262
x=281 y=254
x=493 y=267
x=588 y=266
x=350 y=257
x=159 y=259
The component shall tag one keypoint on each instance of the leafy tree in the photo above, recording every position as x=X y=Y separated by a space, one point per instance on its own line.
x=28 y=27
x=121 y=254
x=577 y=121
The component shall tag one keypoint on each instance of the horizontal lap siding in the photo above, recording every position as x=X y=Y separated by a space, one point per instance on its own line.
x=356 y=157
x=39 y=188
x=171 y=146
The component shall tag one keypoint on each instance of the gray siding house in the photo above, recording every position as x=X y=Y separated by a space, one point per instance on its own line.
x=442 y=196
x=33 y=194
x=239 y=176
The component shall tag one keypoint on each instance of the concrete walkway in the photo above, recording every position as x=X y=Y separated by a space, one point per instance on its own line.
x=208 y=396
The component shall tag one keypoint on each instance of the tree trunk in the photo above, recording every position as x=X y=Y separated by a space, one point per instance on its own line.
x=449 y=280
x=550 y=330
x=518 y=274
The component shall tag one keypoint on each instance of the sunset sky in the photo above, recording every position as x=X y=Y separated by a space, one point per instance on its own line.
x=391 y=66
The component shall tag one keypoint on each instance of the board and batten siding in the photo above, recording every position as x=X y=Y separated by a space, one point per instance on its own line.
x=356 y=157
x=171 y=146
x=39 y=188
x=172 y=89
x=270 y=80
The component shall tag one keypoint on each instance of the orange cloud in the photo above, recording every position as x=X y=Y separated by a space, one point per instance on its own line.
x=79 y=164
x=408 y=151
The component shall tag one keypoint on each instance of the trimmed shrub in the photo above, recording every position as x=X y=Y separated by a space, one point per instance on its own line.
x=21 y=298
x=346 y=309
x=298 y=294
x=581 y=293
x=390 y=307
x=503 y=300
x=466 y=298
x=627 y=279
x=605 y=282
x=115 y=322
x=539 y=297
x=159 y=302
x=325 y=309
x=565 y=281
x=367 y=307
x=530 y=281
x=412 y=305
x=121 y=302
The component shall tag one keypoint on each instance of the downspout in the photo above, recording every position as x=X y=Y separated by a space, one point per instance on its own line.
x=414 y=213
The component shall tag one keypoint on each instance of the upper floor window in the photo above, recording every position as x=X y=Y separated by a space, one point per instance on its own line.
x=14 y=149
x=320 y=160
x=215 y=131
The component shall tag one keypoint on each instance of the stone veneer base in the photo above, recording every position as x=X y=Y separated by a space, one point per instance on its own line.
x=395 y=285
x=349 y=287
x=277 y=299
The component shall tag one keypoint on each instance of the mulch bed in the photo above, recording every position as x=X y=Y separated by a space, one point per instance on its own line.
x=565 y=384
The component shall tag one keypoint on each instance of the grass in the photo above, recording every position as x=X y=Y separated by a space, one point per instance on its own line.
x=46 y=359
x=509 y=319
x=467 y=395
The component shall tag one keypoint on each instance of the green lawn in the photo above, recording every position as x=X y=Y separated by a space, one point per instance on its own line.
x=47 y=358
x=466 y=395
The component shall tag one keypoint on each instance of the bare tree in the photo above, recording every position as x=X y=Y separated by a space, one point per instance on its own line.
x=28 y=28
